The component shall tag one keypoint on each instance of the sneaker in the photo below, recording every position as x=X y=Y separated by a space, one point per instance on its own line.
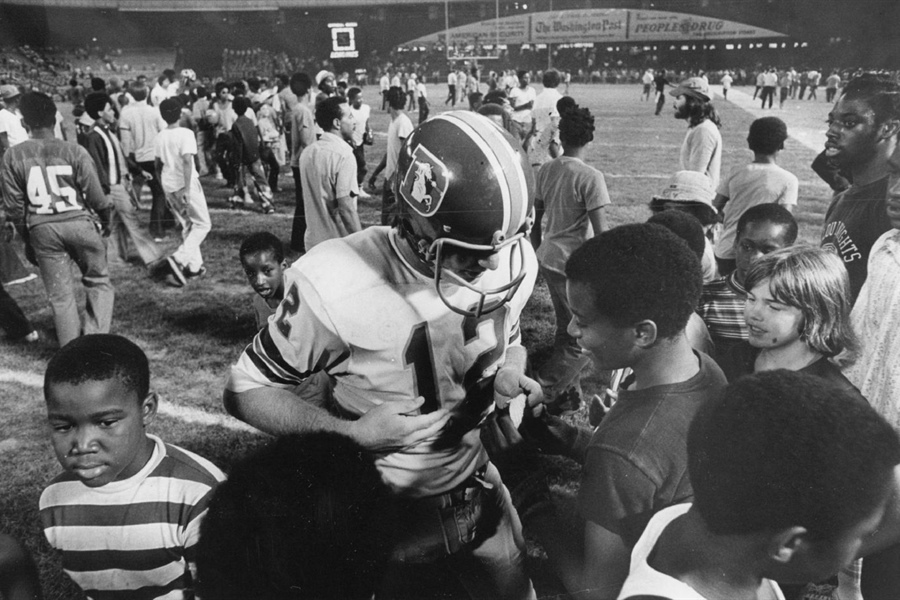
x=364 y=194
x=177 y=271
x=235 y=201
x=32 y=337
x=268 y=209
x=188 y=274
x=219 y=176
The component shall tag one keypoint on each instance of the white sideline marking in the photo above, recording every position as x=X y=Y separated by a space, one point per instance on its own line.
x=176 y=411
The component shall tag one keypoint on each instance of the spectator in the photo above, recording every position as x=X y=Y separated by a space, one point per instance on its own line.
x=522 y=100
x=755 y=183
x=250 y=177
x=59 y=226
x=11 y=130
x=222 y=116
x=175 y=148
x=303 y=135
x=126 y=499
x=400 y=128
x=544 y=143
x=362 y=135
x=861 y=137
x=702 y=147
x=328 y=176
x=263 y=261
x=573 y=195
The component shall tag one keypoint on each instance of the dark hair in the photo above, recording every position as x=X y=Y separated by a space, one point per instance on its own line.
x=169 y=73
x=684 y=225
x=170 y=110
x=253 y=84
x=700 y=110
x=396 y=98
x=576 y=125
x=100 y=357
x=238 y=88
x=767 y=135
x=97 y=84
x=880 y=92
x=300 y=84
x=521 y=73
x=782 y=449
x=495 y=97
x=328 y=110
x=220 y=85
x=139 y=92
x=353 y=93
x=262 y=241
x=771 y=212
x=240 y=105
x=38 y=110
x=550 y=79
x=308 y=516
x=640 y=271
x=95 y=102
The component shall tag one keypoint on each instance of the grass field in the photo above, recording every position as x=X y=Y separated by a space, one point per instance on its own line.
x=193 y=334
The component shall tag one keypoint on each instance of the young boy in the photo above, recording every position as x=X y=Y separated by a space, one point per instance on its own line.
x=632 y=290
x=175 y=148
x=262 y=258
x=761 y=229
x=247 y=160
x=126 y=511
x=767 y=507
x=756 y=183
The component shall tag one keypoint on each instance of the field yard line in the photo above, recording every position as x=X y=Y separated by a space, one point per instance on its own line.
x=176 y=411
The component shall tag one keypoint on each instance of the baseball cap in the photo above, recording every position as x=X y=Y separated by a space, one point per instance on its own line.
x=687 y=186
x=9 y=91
x=692 y=86
x=323 y=75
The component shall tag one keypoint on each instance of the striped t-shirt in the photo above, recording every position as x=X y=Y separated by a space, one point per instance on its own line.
x=132 y=539
x=722 y=309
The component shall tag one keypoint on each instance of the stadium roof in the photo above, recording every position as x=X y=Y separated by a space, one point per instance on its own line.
x=209 y=5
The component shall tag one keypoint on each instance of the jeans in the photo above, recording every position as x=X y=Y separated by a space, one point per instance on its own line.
x=160 y=216
x=56 y=245
x=565 y=348
x=472 y=532
x=125 y=226
x=298 y=228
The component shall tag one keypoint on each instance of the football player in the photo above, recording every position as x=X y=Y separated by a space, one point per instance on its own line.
x=418 y=327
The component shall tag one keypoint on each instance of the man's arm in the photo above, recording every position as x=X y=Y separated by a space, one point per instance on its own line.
x=97 y=150
x=701 y=151
x=720 y=201
x=598 y=220
x=346 y=208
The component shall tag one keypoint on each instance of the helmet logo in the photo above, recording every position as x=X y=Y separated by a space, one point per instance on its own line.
x=425 y=182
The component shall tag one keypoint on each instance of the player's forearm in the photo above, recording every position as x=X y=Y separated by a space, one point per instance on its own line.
x=516 y=358
x=278 y=412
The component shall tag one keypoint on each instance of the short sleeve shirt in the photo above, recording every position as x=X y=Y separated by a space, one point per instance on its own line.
x=11 y=125
x=570 y=189
x=702 y=151
x=745 y=187
x=518 y=96
x=854 y=220
x=327 y=172
x=636 y=462
x=399 y=129
x=170 y=146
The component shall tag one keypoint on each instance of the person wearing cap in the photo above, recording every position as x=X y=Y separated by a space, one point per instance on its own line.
x=702 y=147
x=106 y=152
x=326 y=84
x=755 y=183
x=11 y=130
x=692 y=192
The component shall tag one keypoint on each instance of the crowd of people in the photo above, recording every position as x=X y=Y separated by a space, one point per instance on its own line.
x=747 y=445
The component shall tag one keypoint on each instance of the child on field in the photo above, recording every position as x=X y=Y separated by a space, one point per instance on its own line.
x=762 y=229
x=247 y=160
x=262 y=258
x=126 y=511
x=175 y=148
x=790 y=478
x=631 y=290
x=755 y=183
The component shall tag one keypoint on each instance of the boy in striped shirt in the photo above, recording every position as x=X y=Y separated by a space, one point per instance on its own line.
x=126 y=512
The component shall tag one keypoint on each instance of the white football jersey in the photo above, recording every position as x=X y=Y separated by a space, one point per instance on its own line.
x=356 y=309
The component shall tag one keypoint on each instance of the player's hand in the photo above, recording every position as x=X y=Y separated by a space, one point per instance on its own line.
x=394 y=425
x=510 y=383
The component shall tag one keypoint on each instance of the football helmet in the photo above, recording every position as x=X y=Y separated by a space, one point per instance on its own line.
x=465 y=186
x=188 y=75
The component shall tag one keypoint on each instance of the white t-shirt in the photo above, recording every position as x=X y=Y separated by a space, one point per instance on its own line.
x=170 y=146
x=644 y=580
x=11 y=125
x=726 y=82
x=702 y=151
x=399 y=129
x=745 y=187
x=451 y=78
x=360 y=118
x=518 y=97
x=422 y=91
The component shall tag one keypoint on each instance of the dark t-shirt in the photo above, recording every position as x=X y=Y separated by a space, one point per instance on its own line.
x=636 y=463
x=740 y=359
x=854 y=220
x=246 y=140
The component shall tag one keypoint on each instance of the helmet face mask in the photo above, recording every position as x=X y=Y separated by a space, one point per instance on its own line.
x=465 y=187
